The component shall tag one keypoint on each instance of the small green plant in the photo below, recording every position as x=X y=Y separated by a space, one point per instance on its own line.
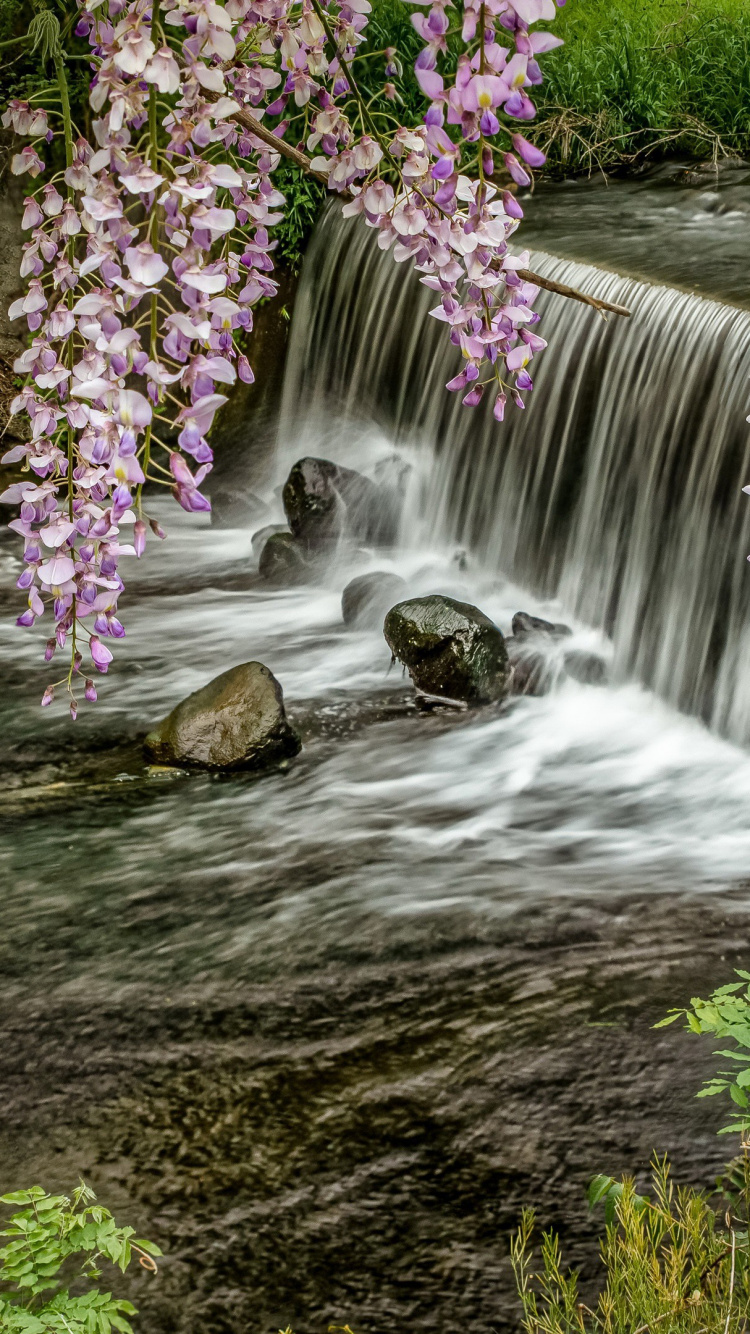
x=50 y=1260
x=671 y=1262
x=675 y=1259
x=725 y=1015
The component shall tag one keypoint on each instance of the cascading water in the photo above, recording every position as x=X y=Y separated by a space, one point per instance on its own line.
x=617 y=491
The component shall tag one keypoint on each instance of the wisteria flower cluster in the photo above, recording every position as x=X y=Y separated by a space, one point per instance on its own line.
x=148 y=250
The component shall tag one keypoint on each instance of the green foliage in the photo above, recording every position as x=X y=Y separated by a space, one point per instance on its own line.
x=670 y=1262
x=639 y=79
x=725 y=1015
x=55 y=1244
x=304 y=200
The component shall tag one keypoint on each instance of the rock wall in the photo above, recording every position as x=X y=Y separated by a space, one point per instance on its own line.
x=244 y=434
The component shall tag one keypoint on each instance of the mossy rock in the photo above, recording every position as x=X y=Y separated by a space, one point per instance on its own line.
x=450 y=648
x=237 y=721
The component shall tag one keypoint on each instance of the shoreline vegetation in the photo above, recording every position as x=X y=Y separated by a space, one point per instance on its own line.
x=641 y=80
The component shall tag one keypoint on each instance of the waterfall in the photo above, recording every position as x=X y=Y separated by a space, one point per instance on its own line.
x=617 y=490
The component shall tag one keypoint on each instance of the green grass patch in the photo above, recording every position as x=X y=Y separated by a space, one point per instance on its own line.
x=645 y=79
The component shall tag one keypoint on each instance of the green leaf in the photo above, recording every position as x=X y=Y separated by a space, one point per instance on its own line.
x=738 y=1096
x=598 y=1189
x=670 y=1019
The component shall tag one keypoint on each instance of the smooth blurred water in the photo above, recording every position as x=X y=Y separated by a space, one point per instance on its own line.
x=374 y=924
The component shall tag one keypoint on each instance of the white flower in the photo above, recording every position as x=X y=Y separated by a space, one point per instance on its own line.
x=144 y=265
x=202 y=281
x=143 y=181
x=163 y=70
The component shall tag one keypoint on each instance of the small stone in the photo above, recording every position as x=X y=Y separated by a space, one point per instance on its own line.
x=366 y=599
x=235 y=508
x=237 y=721
x=450 y=648
x=525 y=625
x=259 y=539
x=283 y=560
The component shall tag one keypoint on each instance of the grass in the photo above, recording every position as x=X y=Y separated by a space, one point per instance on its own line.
x=645 y=79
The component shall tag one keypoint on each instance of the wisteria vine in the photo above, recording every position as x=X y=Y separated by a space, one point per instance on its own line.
x=149 y=249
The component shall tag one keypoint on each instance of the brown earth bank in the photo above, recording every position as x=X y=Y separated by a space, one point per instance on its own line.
x=351 y=1136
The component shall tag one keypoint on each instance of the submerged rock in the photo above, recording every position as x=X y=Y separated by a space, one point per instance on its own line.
x=587 y=668
x=367 y=598
x=283 y=560
x=259 y=539
x=532 y=673
x=324 y=502
x=525 y=625
x=232 y=507
x=450 y=648
x=237 y=721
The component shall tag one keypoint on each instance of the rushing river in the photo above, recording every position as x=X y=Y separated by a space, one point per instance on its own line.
x=323 y=1033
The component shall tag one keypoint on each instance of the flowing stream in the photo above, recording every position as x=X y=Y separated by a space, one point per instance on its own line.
x=323 y=1033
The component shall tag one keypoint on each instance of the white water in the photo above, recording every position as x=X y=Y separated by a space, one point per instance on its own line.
x=586 y=789
x=618 y=490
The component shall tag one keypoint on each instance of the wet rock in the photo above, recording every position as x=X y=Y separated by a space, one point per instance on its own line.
x=366 y=599
x=525 y=625
x=324 y=503
x=587 y=668
x=259 y=539
x=532 y=674
x=450 y=648
x=283 y=560
x=237 y=721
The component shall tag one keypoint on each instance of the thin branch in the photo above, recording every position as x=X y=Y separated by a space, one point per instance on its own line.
x=562 y=289
x=300 y=159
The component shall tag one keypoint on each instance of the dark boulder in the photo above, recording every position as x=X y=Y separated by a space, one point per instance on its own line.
x=324 y=503
x=450 y=648
x=283 y=560
x=525 y=625
x=237 y=721
x=587 y=668
x=367 y=598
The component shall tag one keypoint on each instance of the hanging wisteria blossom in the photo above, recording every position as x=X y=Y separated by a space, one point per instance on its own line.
x=148 y=251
